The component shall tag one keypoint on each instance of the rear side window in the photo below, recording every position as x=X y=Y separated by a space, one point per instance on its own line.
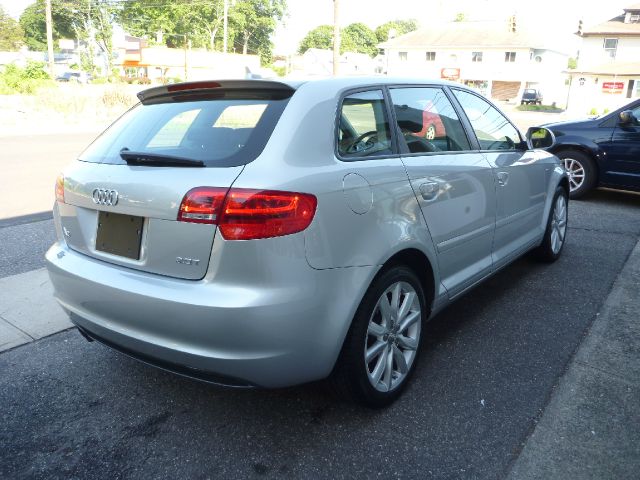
x=224 y=129
x=364 y=127
x=427 y=120
x=493 y=130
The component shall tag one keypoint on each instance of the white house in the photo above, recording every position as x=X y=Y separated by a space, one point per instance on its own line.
x=608 y=72
x=319 y=62
x=494 y=57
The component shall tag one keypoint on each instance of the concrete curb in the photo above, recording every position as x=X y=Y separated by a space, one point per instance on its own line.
x=28 y=310
x=589 y=430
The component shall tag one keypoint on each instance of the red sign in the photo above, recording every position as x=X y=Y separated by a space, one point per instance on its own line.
x=450 y=73
x=612 y=87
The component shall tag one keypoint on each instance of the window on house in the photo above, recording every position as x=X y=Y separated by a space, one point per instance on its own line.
x=610 y=46
x=476 y=56
x=402 y=56
x=509 y=56
x=431 y=56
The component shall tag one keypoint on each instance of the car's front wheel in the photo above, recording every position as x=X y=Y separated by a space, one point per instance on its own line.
x=581 y=170
x=381 y=348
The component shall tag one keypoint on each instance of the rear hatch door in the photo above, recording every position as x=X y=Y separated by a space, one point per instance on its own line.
x=123 y=196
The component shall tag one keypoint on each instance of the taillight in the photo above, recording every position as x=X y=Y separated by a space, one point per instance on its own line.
x=244 y=214
x=202 y=205
x=60 y=188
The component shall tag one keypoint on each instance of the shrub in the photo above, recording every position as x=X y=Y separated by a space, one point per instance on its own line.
x=26 y=81
x=36 y=71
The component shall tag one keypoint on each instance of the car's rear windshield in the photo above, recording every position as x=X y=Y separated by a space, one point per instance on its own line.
x=528 y=90
x=221 y=129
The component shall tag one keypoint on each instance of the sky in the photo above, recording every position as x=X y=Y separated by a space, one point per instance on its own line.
x=554 y=17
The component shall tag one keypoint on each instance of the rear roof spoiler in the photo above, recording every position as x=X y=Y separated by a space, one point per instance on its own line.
x=208 y=85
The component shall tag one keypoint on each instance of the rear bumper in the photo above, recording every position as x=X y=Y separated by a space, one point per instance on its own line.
x=272 y=335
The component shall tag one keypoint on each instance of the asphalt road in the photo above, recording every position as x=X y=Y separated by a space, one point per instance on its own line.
x=30 y=165
x=73 y=409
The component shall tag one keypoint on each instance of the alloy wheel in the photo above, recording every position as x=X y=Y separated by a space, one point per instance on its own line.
x=393 y=336
x=558 y=224
x=575 y=169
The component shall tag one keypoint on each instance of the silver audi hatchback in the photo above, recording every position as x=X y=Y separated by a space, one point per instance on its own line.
x=262 y=233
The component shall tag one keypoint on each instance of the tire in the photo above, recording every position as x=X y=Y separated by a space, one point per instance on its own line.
x=367 y=383
x=582 y=172
x=555 y=234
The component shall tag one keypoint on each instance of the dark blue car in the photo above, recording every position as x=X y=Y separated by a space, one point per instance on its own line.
x=603 y=151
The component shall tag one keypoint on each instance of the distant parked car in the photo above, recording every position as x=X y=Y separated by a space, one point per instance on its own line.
x=602 y=151
x=531 y=95
x=80 y=77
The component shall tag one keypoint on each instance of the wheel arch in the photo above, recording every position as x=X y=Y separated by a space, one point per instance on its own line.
x=420 y=264
x=589 y=152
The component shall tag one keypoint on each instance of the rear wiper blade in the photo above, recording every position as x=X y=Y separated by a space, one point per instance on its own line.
x=157 y=159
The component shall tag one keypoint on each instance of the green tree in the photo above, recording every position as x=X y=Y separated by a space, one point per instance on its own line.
x=33 y=23
x=176 y=21
x=357 y=37
x=253 y=22
x=460 y=17
x=11 y=34
x=400 y=27
x=250 y=24
x=319 y=37
x=572 y=63
x=92 y=22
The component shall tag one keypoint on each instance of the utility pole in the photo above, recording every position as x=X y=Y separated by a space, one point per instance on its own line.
x=336 y=38
x=52 y=71
x=225 y=25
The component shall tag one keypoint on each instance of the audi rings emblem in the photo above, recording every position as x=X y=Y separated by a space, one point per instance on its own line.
x=103 y=196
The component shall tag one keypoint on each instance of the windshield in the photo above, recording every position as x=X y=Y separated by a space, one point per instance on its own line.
x=218 y=130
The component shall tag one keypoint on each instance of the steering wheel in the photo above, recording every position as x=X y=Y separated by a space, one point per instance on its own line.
x=418 y=144
x=360 y=145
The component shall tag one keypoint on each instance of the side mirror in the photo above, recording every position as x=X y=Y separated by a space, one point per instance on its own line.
x=540 y=137
x=626 y=116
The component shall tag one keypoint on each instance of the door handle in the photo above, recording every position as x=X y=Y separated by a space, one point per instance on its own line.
x=429 y=190
x=503 y=178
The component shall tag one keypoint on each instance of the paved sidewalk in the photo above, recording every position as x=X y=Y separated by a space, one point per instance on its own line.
x=591 y=427
x=27 y=309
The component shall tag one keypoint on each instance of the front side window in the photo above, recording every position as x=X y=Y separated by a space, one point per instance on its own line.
x=427 y=120
x=364 y=128
x=493 y=130
x=510 y=57
x=476 y=56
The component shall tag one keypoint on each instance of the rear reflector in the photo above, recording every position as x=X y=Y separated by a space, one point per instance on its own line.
x=245 y=214
x=60 y=188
